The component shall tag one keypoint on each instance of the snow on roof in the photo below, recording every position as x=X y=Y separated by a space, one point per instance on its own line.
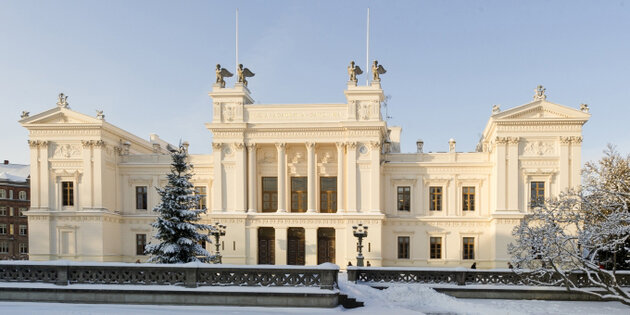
x=14 y=172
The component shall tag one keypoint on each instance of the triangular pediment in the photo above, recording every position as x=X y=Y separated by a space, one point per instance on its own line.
x=541 y=110
x=60 y=116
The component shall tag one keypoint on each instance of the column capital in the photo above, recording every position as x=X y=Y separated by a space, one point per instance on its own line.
x=280 y=145
x=217 y=146
x=310 y=145
x=250 y=145
x=238 y=145
x=351 y=144
x=340 y=145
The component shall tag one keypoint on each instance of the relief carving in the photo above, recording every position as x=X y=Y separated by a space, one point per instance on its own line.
x=538 y=148
x=67 y=151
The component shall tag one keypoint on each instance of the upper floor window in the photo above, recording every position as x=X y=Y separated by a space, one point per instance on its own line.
x=404 y=198
x=202 y=192
x=23 y=229
x=298 y=194
x=468 y=247
x=3 y=193
x=269 y=194
x=537 y=193
x=435 y=198
x=67 y=194
x=3 y=211
x=328 y=194
x=435 y=247
x=141 y=197
x=403 y=247
x=22 y=212
x=23 y=248
x=10 y=194
x=4 y=247
x=22 y=195
x=468 y=198
x=141 y=243
x=3 y=229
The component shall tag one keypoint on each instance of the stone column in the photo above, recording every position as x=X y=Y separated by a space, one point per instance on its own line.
x=217 y=183
x=576 y=161
x=36 y=176
x=282 y=183
x=310 y=148
x=240 y=180
x=501 y=176
x=281 y=246
x=251 y=178
x=310 y=246
x=352 y=177
x=375 y=173
x=512 y=174
x=564 y=165
x=340 y=173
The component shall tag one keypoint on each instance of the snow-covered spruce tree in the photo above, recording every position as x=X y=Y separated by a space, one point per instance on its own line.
x=178 y=233
x=562 y=241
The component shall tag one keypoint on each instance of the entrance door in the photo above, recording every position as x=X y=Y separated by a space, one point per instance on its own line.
x=325 y=245
x=266 y=246
x=295 y=253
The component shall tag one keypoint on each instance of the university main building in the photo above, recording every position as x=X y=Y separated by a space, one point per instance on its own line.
x=290 y=181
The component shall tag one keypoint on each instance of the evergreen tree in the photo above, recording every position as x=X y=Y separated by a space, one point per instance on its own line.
x=178 y=232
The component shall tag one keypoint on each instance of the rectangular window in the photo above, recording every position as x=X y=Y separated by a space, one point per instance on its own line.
x=22 y=212
x=3 y=229
x=22 y=195
x=23 y=248
x=269 y=194
x=4 y=247
x=435 y=247
x=328 y=194
x=202 y=192
x=67 y=190
x=403 y=247
x=468 y=198
x=141 y=242
x=11 y=230
x=10 y=194
x=23 y=229
x=468 y=248
x=141 y=197
x=298 y=194
x=10 y=211
x=537 y=194
x=3 y=193
x=435 y=198
x=3 y=211
x=404 y=198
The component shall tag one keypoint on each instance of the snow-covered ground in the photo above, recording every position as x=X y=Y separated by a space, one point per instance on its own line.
x=398 y=299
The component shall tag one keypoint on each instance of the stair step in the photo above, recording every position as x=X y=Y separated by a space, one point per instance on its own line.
x=348 y=302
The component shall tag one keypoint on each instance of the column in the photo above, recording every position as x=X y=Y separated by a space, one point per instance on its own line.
x=36 y=180
x=281 y=246
x=340 y=173
x=310 y=247
x=282 y=185
x=352 y=177
x=576 y=161
x=240 y=180
x=45 y=179
x=217 y=183
x=375 y=173
x=512 y=173
x=251 y=182
x=564 y=165
x=501 y=174
x=310 y=149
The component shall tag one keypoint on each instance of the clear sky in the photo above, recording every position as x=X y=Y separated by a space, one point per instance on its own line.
x=150 y=64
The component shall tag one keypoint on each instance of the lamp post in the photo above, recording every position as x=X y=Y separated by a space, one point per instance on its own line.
x=217 y=231
x=360 y=232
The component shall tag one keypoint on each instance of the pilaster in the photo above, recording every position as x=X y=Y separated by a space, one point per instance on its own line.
x=310 y=152
x=564 y=175
x=310 y=239
x=501 y=173
x=375 y=172
x=282 y=182
x=217 y=183
x=240 y=180
x=281 y=245
x=512 y=173
x=251 y=183
x=352 y=177
x=340 y=177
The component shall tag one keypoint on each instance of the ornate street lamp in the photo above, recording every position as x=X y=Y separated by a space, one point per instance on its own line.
x=217 y=231
x=360 y=232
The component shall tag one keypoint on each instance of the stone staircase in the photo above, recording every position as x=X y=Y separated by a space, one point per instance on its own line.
x=348 y=302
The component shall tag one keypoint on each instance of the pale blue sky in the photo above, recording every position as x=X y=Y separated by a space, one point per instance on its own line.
x=149 y=64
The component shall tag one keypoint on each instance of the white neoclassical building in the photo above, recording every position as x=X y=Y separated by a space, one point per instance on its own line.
x=289 y=181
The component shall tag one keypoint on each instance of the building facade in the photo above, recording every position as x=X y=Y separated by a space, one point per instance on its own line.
x=290 y=182
x=14 y=203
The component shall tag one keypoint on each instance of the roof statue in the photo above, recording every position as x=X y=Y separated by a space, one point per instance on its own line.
x=584 y=108
x=496 y=109
x=540 y=93
x=377 y=70
x=222 y=73
x=25 y=114
x=62 y=101
x=244 y=73
x=100 y=115
x=353 y=71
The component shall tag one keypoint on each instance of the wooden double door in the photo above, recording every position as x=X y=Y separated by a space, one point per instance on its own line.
x=325 y=245
x=266 y=246
x=296 y=246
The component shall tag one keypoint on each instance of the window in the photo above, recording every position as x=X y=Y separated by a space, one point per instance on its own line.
x=404 y=198
x=23 y=248
x=403 y=247
x=141 y=197
x=23 y=229
x=328 y=194
x=4 y=247
x=3 y=229
x=67 y=189
x=468 y=198
x=22 y=212
x=3 y=193
x=201 y=191
x=22 y=195
x=11 y=230
x=537 y=194
x=10 y=194
x=468 y=248
x=3 y=211
x=10 y=211
x=435 y=198
x=269 y=194
x=141 y=242
x=435 y=248
x=298 y=194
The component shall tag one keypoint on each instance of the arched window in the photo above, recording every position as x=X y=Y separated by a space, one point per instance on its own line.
x=3 y=193
x=22 y=195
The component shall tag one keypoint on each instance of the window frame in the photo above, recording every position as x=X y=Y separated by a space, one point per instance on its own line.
x=4 y=247
x=406 y=196
x=142 y=203
x=433 y=204
x=465 y=251
x=202 y=203
x=271 y=194
x=3 y=229
x=537 y=203
x=67 y=193
x=467 y=204
x=329 y=193
x=401 y=254
x=302 y=195
x=22 y=195
x=441 y=250
x=23 y=229
x=141 y=240
x=23 y=248
x=3 y=193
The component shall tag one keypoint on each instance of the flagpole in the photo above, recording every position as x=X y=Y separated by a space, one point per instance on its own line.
x=367 y=50
x=236 y=40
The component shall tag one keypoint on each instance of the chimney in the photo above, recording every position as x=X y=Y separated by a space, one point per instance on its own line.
x=6 y=162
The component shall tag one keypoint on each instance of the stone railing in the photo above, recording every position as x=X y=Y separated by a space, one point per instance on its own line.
x=323 y=276
x=459 y=276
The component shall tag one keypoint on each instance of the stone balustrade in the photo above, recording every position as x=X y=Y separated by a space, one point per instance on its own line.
x=323 y=276
x=459 y=276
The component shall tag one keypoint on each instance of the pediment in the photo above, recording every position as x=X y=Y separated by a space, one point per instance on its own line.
x=60 y=116
x=541 y=110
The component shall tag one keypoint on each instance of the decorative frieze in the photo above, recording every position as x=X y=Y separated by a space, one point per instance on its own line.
x=538 y=148
x=66 y=151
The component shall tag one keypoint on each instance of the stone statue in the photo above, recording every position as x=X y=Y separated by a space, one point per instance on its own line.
x=24 y=114
x=584 y=108
x=100 y=115
x=62 y=101
x=540 y=93
x=222 y=73
x=377 y=70
x=244 y=73
x=353 y=71
x=496 y=109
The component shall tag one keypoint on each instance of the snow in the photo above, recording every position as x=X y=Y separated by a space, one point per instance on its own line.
x=324 y=266
x=14 y=172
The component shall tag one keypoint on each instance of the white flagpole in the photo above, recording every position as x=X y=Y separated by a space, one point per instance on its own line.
x=367 y=50
x=236 y=41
